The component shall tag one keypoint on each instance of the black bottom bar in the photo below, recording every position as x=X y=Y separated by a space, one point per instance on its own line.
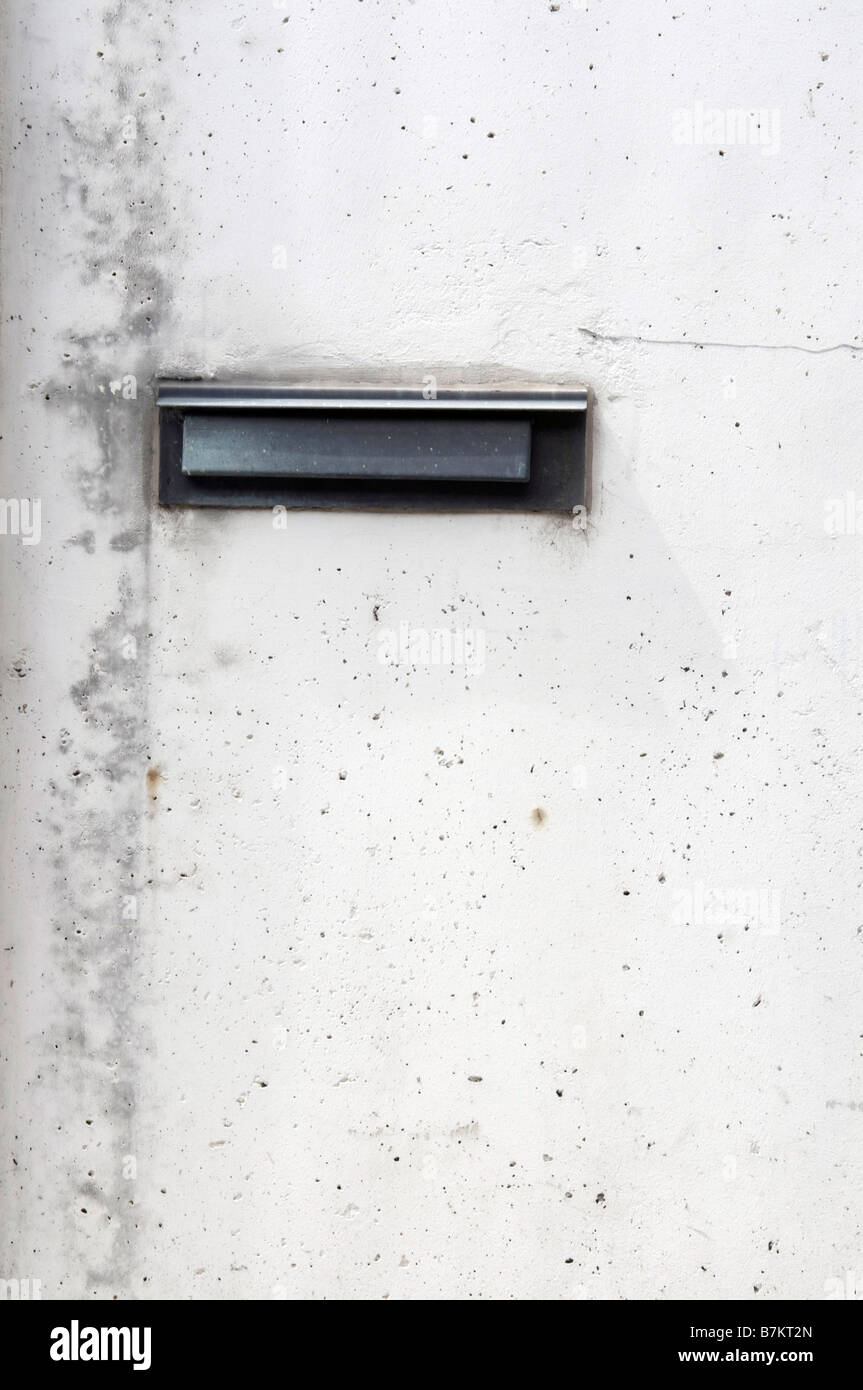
x=580 y=1338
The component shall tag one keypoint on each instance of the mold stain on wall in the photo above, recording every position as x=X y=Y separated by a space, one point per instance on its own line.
x=112 y=172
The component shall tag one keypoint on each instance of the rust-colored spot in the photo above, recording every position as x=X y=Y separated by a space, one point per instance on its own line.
x=154 y=777
x=538 y=815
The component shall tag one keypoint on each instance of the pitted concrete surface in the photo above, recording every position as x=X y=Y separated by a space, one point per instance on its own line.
x=434 y=907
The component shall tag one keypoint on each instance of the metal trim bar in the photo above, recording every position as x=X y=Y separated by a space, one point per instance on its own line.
x=192 y=396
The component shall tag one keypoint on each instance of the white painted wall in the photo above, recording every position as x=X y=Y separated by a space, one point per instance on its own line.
x=333 y=978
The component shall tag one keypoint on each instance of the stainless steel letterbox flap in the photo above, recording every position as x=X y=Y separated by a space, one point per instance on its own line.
x=330 y=445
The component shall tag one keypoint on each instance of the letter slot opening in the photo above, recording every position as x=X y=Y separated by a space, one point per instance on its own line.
x=368 y=448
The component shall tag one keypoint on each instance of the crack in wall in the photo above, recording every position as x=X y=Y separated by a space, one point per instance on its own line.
x=635 y=339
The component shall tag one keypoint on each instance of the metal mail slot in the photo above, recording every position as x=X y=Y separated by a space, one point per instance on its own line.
x=373 y=449
x=333 y=446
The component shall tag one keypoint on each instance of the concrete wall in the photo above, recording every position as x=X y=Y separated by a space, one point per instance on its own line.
x=533 y=974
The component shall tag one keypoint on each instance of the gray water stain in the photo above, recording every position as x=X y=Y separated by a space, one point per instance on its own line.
x=111 y=173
